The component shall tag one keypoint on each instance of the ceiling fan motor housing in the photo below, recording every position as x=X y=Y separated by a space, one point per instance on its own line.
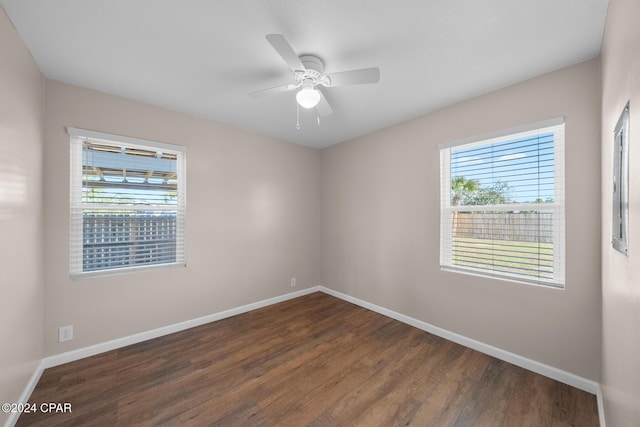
x=314 y=67
x=312 y=63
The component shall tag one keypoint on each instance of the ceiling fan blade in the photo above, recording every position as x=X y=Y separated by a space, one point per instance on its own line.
x=323 y=107
x=355 y=77
x=271 y=91
x=282 y=46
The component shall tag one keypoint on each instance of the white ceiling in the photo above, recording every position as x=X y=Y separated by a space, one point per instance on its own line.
x=202 y=57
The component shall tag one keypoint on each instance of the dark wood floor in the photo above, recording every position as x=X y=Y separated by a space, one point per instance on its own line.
x=311 y=361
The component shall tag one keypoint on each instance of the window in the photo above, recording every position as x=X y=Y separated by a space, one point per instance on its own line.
x=620 y=216
x=127 y=204
x=502 y=205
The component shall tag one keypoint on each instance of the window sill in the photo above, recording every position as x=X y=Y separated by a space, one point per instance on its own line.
x=122 y=271
x=504 y=277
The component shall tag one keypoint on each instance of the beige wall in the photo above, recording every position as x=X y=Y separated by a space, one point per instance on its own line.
x=21 y=135
x=253 y=215
x=620 y=274
x=363 y=215
x=381 y=196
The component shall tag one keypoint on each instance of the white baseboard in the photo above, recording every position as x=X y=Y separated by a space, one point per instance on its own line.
x=26 y=394
x=81 y=353
x=532 y=365
x=540 y=368
x=600 y=400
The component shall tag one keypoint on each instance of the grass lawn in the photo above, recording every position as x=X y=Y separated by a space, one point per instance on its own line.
x=504 y=256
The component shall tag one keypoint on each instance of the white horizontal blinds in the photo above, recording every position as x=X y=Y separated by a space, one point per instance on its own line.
x=128 y=206
x=503 y=206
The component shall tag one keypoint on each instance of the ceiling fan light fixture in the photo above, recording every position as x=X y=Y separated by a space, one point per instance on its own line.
x=308 y=97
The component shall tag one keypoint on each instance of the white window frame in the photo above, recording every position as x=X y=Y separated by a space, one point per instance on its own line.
x=77 y=138
x=557 y=207
x=620 y=212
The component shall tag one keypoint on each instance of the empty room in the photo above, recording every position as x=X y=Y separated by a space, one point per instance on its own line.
x=320 y=213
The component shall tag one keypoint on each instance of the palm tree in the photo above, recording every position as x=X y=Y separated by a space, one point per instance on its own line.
x=462 y=189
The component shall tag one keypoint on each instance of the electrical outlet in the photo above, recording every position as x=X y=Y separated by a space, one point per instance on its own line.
x=293 y=282
x=65 y=333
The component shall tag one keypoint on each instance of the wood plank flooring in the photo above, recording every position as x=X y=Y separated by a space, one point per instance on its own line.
x=312 y=361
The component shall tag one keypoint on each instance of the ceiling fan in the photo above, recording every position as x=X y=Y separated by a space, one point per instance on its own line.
x=308 y=71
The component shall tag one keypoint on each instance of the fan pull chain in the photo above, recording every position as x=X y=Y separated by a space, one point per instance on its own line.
x=297 y=116
x=318 y=117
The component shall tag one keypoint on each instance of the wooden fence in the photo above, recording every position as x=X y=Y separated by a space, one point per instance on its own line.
x=121 y=240
x=521 y=227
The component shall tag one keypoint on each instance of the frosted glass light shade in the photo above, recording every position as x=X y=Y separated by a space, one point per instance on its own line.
x=308 y=97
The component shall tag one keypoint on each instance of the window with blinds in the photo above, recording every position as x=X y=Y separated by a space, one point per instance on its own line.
x=502 y=205
x=128 y=204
